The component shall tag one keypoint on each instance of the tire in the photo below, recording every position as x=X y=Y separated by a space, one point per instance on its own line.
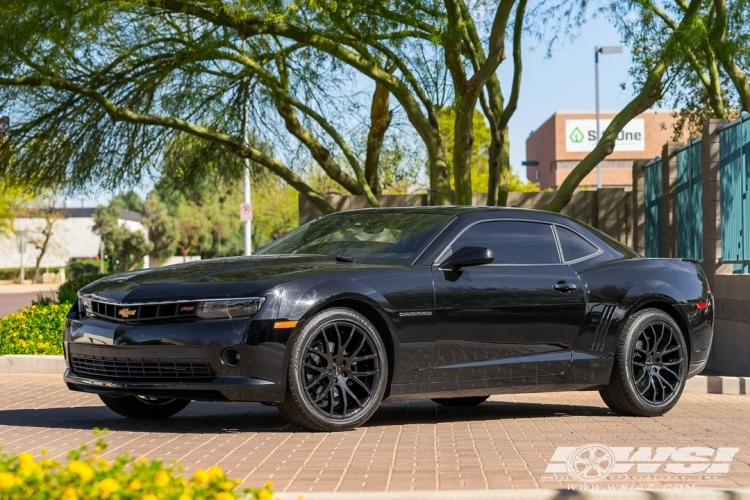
x=650 y=368
x=338 y=372
x=465 y=401
x=144 y=408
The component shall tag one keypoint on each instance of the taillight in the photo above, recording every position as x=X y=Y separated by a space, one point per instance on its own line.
x=701 y=305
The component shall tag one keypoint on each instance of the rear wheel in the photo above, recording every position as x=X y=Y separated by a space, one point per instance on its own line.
x=338 y=372
x=465 y=401
x=650 y=367
x=143 y=407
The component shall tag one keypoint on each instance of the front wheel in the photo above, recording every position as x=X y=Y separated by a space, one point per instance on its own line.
x=143 y=407
x=338 y=372
x=650 y=368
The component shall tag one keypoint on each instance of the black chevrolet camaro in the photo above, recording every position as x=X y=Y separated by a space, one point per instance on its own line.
x=449 y=303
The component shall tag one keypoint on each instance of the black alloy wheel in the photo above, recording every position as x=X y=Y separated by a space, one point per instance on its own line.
x=143 y=407
x=650 y=368
x=337 y=372
x=465 y=401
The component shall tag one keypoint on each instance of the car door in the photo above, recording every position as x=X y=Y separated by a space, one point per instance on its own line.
x=516 y=317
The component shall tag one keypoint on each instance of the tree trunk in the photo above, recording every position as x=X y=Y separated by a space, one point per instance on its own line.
x=505 y=170
x=463 y=142
x=380 y=120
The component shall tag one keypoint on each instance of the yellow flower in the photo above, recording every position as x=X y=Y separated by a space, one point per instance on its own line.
x=162 y=479
x=268 y=485
x=6 y=480
x=108 y=486
x=142 y=460
x=150 y=497
x=215 y=473
x=265 y=494
x=227 y=485
x=201 y=476
x=70 y=494
x=135 y=485
x=185 y=497
x=26 y=458
x=83 y=470
x=224 y=496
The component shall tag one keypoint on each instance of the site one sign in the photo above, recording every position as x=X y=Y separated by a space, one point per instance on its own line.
x=580 y=135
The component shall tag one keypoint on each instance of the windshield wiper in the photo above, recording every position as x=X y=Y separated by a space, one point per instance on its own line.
x=344 y=258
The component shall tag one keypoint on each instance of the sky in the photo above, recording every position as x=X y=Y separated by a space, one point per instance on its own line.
x=565 y=82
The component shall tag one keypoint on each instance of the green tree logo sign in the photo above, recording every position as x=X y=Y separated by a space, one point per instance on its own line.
x=576 y=136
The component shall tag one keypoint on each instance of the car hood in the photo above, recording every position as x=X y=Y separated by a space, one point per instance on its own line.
x=216 y=278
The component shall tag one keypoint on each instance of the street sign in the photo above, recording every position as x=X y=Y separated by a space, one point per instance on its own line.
x=246 y=212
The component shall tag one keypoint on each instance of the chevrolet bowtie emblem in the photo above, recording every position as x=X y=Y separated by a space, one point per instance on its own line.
x=126 y=313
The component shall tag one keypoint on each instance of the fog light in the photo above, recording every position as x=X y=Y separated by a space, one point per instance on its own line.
x=231 y=357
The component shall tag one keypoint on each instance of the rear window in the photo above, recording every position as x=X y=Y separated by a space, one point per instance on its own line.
x=573 y=246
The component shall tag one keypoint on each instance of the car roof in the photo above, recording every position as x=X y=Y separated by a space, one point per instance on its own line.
x=451 y=210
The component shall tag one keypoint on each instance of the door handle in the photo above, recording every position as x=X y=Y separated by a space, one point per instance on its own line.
x=563 y=286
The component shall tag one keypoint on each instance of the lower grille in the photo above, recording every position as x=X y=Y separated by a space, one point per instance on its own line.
x=142 y=368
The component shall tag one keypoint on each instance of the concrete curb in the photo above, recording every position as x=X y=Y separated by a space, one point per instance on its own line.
x=27 y=363
x=713 y=384
x=590 y=494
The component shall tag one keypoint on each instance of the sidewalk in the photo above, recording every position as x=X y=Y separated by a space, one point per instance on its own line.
x=15 y=297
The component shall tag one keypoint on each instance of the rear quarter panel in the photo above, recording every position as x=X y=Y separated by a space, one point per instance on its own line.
x=626 y=286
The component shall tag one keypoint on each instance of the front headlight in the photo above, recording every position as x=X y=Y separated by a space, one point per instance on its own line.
x=228 y=309
x=87 y=305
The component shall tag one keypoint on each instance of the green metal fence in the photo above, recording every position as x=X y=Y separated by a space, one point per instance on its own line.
x=652 y=200
x=690 y=200
x=734 y=171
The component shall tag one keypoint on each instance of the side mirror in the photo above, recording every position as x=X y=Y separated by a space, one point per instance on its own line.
x=467 y=256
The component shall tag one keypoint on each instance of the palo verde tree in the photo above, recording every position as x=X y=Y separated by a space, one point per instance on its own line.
x=108 y=84
x=712 y=80
x=660 y=60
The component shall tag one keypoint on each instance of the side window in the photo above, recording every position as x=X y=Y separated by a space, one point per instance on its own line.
x=573 y=246
x=512 y=242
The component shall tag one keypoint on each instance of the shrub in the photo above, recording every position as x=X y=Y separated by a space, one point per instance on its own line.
x=87 y=475
x=81 y=268
x=36 y=329
x=68 y=291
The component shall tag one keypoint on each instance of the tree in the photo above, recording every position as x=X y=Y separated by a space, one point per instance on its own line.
x=200 y=188
x=162 y=229
x=111 y=64
x=42 y=207
x=662 y=58
x=124 y=248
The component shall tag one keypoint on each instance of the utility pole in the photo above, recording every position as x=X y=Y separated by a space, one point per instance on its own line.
x=613 y=49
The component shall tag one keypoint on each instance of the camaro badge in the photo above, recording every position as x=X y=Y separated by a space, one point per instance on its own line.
x=126 y=313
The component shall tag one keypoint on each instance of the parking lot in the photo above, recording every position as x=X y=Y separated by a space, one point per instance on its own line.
x=508 y=442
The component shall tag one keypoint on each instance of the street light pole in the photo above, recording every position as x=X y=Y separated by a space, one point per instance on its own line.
x=248 y=194
x=22 y=238
x=613 y=49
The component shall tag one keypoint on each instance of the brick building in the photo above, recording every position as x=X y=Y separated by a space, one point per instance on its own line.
x=567 y=136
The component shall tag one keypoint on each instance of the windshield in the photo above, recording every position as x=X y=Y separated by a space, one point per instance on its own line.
x=374 y=236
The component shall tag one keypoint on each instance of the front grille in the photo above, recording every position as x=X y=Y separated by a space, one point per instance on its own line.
x=142 y=368
x=141 y=312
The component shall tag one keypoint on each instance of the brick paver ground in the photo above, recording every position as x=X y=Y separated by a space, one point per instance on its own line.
x=505 y=443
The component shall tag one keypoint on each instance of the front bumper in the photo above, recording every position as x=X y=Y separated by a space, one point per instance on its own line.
x=219 y=389
x=176 y=359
